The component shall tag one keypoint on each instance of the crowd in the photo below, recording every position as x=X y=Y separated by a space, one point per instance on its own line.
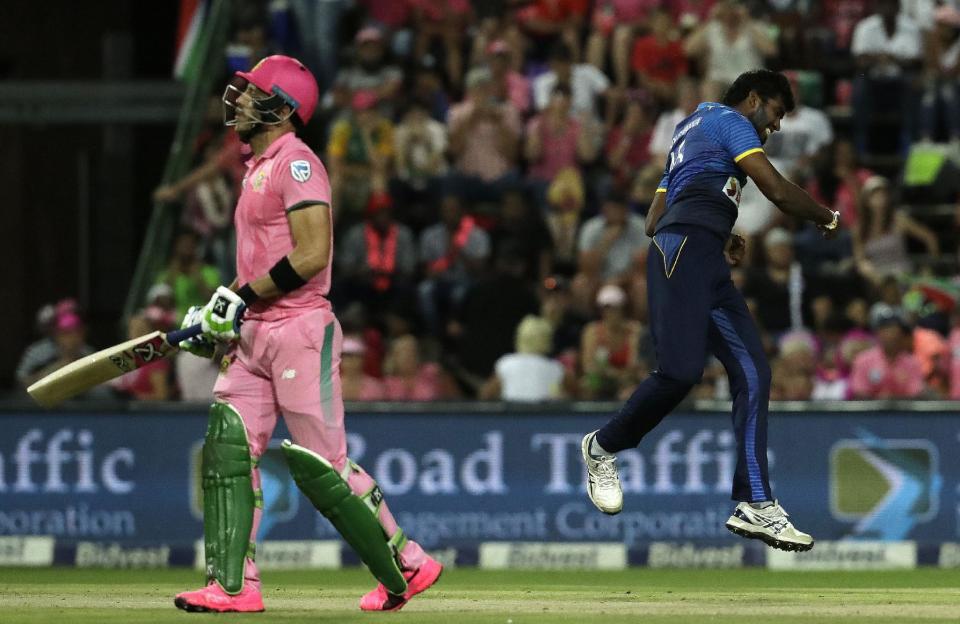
x=491 y=162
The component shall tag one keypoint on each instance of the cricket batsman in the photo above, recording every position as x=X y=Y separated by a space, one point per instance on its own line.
x=283 y=356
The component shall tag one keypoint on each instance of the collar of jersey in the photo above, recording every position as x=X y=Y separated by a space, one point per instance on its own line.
x=274 y=147
x=704 y=105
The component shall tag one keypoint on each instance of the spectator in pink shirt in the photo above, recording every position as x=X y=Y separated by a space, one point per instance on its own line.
x=555 y=141
x=485 y=139
x=409 y=379
x=357 y=385
x=508 y=85
x=953 y=342
x=889 y=370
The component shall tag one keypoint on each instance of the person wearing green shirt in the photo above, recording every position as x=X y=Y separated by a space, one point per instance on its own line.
x=192 y=280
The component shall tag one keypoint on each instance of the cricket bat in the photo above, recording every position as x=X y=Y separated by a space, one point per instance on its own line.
x=96 y=368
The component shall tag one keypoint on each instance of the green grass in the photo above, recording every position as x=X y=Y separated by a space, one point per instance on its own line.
x=467 y=596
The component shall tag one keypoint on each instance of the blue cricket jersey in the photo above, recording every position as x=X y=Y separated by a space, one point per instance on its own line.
x=702 y=180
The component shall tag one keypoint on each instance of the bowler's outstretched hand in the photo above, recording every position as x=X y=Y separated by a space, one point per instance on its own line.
x=830 y=230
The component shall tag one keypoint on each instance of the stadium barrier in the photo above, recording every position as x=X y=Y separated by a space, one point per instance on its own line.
x=495 y=486
x=42 y=551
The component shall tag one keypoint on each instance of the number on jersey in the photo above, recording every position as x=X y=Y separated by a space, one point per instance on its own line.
x=676 y=156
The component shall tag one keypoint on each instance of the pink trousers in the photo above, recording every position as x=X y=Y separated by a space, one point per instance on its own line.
x=291 y=366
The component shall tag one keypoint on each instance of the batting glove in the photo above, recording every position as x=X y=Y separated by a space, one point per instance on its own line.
x=200 y=345
x=223 y=315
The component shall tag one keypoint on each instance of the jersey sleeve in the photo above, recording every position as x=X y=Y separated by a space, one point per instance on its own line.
x=737 y=136
x=302 y=181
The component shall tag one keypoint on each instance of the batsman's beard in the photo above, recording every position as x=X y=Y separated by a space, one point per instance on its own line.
x=247 y=133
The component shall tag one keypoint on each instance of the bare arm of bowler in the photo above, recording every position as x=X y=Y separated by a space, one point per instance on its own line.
x=657 y=206
x=786 y=195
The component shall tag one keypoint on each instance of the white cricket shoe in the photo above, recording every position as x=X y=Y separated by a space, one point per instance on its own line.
x=603 y=482
x=769 y=525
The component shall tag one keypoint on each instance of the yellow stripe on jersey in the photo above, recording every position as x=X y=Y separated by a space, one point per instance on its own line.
x=747 y=153
x=661 y=190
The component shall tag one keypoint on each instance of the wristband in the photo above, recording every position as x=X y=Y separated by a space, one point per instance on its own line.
x=833 y=224
x=285 y=276
x=248 y=295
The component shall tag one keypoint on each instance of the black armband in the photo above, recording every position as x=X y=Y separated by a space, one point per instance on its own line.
x=248 y=295
x=285 y=277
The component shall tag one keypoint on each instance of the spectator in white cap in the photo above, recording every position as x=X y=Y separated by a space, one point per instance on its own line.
x=609 y=348
x=794 y=368
x=357 y=385
x=161 y=295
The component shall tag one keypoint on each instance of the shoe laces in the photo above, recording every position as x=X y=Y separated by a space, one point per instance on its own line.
x=606 y=471
x=776 y=515
x=779 y=511
x=773 y=512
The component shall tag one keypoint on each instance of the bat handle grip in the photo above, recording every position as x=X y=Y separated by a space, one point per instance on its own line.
x=179 y=335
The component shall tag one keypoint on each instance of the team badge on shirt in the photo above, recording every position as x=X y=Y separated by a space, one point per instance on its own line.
x=733 y=190
x=300 y=170
x=258 y=180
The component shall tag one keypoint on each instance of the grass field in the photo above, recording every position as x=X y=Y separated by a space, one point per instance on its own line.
x=467 y=596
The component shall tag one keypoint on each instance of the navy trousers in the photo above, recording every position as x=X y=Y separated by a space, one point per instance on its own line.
x=694 y=310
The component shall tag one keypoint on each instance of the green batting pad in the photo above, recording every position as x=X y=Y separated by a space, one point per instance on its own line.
x=228 y=497
x=348 y=513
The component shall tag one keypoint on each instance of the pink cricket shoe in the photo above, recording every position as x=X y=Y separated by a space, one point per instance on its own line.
x=213 y=598
x=417 y=581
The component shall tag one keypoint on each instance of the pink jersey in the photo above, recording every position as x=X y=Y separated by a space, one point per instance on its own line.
x=288 y=176
x=954 y=343
x=876 y=377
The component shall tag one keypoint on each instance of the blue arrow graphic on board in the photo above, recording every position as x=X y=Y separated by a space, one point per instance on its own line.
x=895 y=515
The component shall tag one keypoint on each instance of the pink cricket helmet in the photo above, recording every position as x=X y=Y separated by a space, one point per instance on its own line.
x=288 y=78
